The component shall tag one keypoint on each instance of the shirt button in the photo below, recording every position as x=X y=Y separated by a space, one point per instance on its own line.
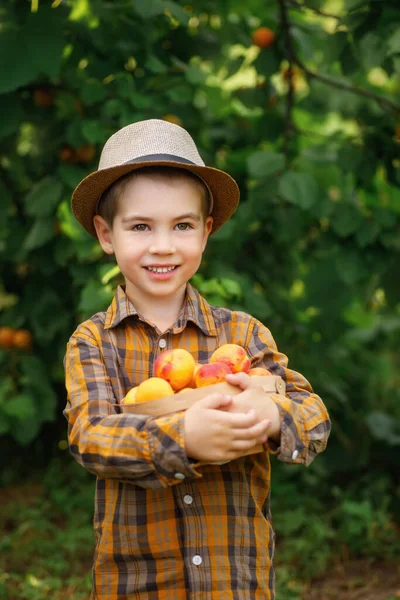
x=188 y=499
x=197 y=560
x=179 y=476
x=295 y=454
x=162 y=343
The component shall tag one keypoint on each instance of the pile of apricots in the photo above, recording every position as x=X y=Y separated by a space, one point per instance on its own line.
x=176 y=371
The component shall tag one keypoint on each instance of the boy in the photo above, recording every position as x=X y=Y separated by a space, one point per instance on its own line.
x=167 y=525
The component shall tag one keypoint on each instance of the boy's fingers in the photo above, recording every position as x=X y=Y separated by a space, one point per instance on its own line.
x=242 y=380
x=214 y=401
x=240 y=420
x=254 y=432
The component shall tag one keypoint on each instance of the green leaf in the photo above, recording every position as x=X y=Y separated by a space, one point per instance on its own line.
x=346 y=219
x=93 y=131
x=372 y=50
x=94 y=298
x=10 y=106
x=393 y=43
x=263 y=164
x=367 y=233
x=177 y=11
x=41 y=232
x=44 y=197
x=24 y=432
x=384 y=427
x=36 y=49
x=155 y=65
x=299 y=188
x=35 y=379
x=147 y=9
x=20 y=407
x=93 y=91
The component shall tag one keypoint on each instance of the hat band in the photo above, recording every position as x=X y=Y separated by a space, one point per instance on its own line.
x=170 y=157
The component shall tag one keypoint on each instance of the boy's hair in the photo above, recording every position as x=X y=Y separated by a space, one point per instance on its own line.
x=108 y=204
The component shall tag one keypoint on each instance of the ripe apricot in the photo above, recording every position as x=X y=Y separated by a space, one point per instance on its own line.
x=211 y=373
x=192 y=382
x=234 y=356
x=175 y=366
x=22 y=339
x=43 y=97
x=85 y=153
x=173 y=119
x=153 y=388
x=263 y=37
x=68 y=155
x=6 y=337
x=258 y=371
x=130 y=398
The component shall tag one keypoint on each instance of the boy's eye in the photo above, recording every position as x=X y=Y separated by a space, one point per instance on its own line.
x=183 y=226
x=140 y=227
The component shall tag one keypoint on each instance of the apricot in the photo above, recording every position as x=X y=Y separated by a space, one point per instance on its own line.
x=130 y=398
x=153 y=388
x=234 y=356
x=173 y=119
x=6 y=337
x=211 y=373
x=263 y=37
x=192 y=382
x=175 y=366
x=22 y=339
x=85 y=153
x=258 y=371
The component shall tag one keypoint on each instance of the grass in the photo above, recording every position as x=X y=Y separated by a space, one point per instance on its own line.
x=47 y=542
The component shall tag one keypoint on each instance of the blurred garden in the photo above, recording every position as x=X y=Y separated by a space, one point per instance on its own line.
x=300 y=102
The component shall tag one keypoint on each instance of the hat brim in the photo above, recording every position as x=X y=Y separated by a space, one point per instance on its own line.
x=223 y=187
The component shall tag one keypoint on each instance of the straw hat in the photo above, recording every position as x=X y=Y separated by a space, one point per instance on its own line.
x=152 y=143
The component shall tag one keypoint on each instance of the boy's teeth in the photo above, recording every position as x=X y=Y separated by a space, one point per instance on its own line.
x=161 y=269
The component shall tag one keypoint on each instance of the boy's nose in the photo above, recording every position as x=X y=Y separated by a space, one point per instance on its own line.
x=162 y=244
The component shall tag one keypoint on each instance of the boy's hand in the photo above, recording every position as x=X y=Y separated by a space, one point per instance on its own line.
x=212 y=434
x=254 y=397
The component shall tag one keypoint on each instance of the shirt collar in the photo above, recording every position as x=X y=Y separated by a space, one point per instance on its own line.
x=195 y=309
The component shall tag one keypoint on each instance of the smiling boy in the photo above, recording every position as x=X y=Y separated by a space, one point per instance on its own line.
x=167 y=525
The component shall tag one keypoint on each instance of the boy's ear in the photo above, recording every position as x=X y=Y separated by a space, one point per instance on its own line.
x=207 y=230
x=104 y=234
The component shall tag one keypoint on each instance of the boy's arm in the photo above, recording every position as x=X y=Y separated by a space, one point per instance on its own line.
x=146 y=451
x=304 y=420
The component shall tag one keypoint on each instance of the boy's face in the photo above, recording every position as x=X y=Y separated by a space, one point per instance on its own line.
x=158 y=236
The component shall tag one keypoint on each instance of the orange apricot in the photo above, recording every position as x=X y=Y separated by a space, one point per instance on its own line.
x=263 y=37
x=234 y=356
x=22 y=339
x=258 y=371
x=6 y=337
x=130 y=398
x=153 y=388
x=211 y=373
x=175 y=366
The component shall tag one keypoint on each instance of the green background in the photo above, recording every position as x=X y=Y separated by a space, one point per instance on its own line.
x=310 y=129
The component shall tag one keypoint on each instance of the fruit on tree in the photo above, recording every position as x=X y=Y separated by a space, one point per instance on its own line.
x=263 y=37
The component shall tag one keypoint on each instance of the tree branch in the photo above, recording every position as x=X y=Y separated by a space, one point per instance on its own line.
x=317 y=11
x=311 y=74
x=289 y=51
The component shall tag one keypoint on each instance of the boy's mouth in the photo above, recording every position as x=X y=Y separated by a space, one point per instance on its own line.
x=162 y=269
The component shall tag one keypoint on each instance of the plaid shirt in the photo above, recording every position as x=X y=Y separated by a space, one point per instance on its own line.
x=167 y=528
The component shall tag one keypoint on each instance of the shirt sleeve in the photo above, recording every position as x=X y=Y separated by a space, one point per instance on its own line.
x=305 y=424
x=137 y=448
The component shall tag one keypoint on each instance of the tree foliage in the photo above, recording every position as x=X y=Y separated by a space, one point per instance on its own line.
x=309 y=126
